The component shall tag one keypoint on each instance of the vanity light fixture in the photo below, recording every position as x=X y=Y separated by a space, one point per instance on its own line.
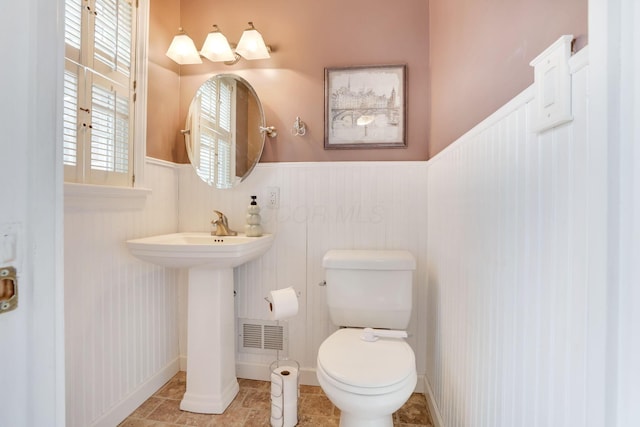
x=182 y=49
x=216 y=47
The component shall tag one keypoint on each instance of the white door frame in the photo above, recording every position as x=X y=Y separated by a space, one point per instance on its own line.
x=32 y=347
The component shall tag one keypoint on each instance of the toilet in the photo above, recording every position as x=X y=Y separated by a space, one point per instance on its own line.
x=366 y=368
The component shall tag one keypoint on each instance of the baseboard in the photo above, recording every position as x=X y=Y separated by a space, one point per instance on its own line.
x=431 y=403
x=129 y=404
x=260 y=372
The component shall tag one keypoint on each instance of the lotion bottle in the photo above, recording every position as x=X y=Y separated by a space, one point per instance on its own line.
x=253 y=227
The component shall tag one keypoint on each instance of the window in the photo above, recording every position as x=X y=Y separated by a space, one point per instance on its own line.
x=99 y=91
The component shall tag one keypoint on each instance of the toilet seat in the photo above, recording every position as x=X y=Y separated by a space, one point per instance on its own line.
x=363 y=367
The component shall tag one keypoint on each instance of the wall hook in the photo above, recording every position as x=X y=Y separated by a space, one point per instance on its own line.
x=299 y=127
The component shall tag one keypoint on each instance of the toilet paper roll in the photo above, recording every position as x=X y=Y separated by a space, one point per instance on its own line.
x=284 y=396
x=283 y=304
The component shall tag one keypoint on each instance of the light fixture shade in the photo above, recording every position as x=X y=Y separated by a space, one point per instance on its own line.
x=251 y=45
x=216 y=47
x=183 y=51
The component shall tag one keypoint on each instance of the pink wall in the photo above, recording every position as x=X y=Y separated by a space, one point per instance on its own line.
x=465 y=59
x=163 y=115
x=480 y=54
x=307 y=37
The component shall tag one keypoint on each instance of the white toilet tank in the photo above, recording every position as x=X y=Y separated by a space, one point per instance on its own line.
x=369 y=288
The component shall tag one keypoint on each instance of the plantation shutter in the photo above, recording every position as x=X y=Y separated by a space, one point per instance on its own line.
x=99 y=91
x=216 y=154
x=73 y=24
x=225 y=141
x=70 y=118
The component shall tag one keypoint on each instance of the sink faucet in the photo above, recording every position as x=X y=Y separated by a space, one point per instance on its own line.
x=222 y=226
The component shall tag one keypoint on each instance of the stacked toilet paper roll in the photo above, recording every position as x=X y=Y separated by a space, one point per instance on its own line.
x=284 y=396
x=283 y=303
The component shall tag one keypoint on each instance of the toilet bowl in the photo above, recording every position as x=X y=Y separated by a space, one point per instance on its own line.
x=367 y=380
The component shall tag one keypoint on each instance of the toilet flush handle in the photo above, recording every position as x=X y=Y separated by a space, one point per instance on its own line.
x=370 y=334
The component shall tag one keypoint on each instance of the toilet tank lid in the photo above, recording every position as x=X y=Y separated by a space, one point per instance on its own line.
x=369 y=259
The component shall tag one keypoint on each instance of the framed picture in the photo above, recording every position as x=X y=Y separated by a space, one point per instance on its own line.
x=365 y=107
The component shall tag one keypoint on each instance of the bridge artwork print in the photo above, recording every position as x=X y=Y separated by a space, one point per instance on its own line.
x=365 y=107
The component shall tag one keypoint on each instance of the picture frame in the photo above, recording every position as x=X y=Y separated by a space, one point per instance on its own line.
x=365 y=107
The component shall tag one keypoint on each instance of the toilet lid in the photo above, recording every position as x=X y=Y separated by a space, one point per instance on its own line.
x=350 y=360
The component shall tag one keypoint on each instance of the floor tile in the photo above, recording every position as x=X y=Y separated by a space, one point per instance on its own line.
x=252 y=408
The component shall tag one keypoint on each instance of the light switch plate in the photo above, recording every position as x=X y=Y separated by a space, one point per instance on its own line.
x=552 y=79
x=9 y=236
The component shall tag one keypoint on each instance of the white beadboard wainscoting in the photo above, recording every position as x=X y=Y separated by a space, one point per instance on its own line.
x=121 y=316
x=510 y=246
x=343 y=205
x=126 y=319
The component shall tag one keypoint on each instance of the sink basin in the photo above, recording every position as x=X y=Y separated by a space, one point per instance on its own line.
x=211 y=370
x=185 y=250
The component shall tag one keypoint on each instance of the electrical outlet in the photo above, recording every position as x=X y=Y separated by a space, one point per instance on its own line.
x=273 y=197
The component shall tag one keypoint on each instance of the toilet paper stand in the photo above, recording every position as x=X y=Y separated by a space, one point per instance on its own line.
x=285 y=382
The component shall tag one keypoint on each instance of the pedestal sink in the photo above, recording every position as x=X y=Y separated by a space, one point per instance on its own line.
x=211 y=371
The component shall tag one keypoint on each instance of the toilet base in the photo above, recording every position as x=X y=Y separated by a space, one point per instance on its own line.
x=357 y=410
x=351 y=420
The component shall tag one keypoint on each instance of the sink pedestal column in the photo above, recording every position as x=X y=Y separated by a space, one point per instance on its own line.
x=211 y=365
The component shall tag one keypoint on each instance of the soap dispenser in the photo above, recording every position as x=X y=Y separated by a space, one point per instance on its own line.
x=253 y=227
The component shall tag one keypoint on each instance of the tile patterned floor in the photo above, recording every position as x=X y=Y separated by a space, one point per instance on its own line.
x=251 y=408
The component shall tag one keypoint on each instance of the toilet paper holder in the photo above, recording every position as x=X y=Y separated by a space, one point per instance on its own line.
x=283 y=303
x=288 y=411
x=267 y=299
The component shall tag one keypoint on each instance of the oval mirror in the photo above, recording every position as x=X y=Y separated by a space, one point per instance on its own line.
x=225 y=130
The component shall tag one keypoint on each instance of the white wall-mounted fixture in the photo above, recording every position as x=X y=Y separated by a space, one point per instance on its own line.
x=182 y=49
x=552 y=79
x=216 y=47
